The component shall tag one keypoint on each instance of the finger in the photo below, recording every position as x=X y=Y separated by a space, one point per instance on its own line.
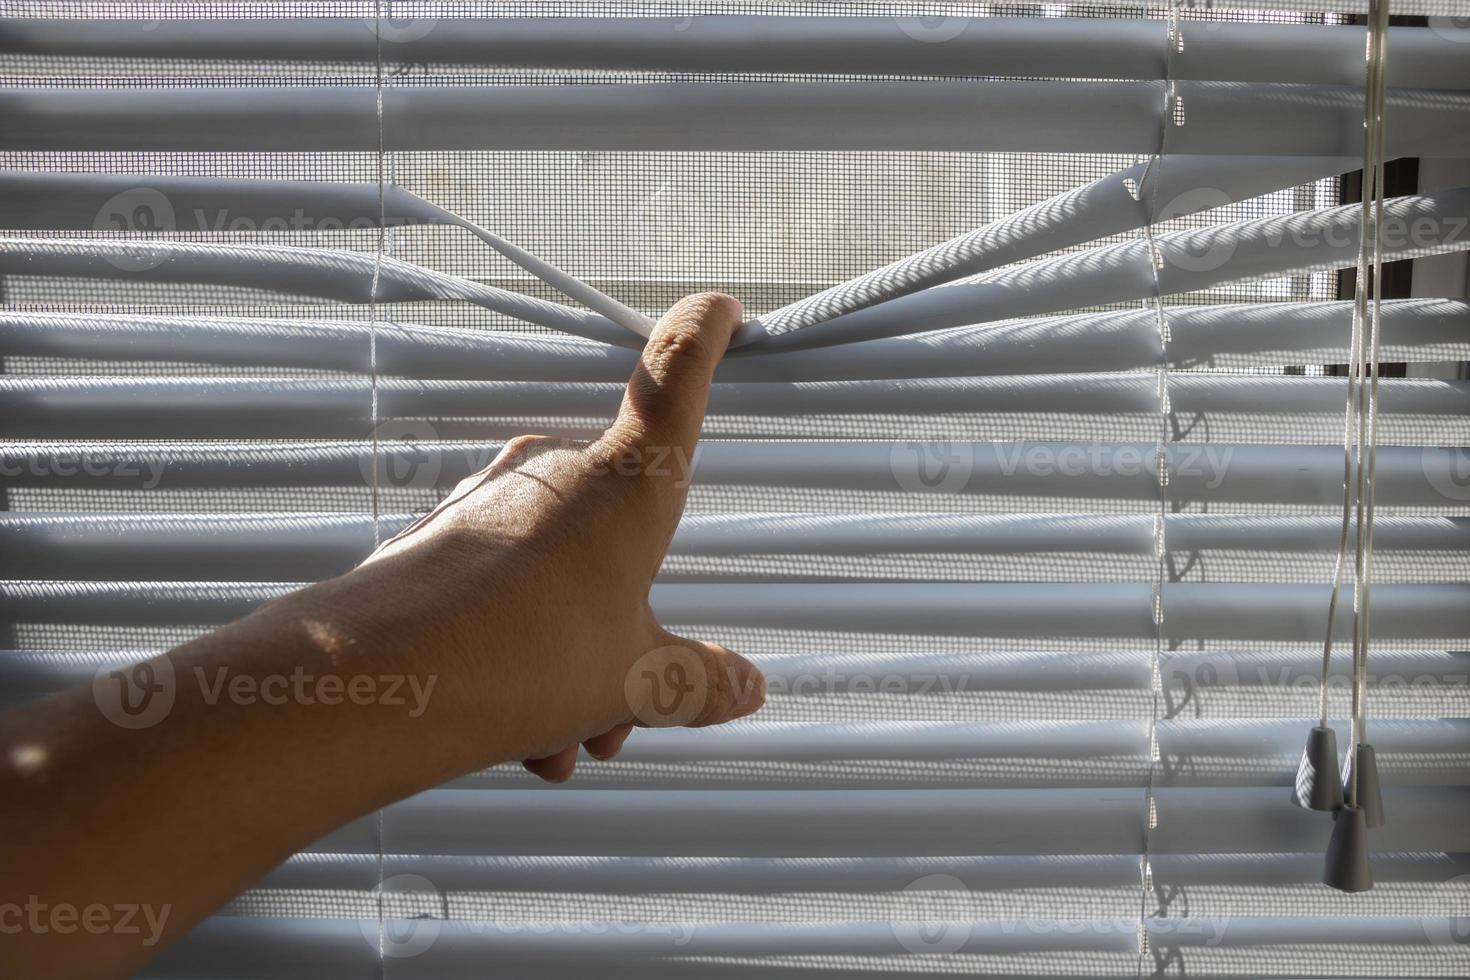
x=666 y=399
x=554 y=768
x=692 y=683
x=609 y=743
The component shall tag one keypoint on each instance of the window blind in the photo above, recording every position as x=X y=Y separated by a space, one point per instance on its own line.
x=1022 y=485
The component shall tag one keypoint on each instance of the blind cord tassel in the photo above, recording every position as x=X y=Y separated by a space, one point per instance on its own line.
x=1347 y=866
x=1318 y=785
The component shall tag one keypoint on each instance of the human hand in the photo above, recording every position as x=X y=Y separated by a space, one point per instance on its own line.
x=527 y=588
x=520 y=603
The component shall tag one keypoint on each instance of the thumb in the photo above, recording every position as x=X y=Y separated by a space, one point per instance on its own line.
x=667 y=396
x=692 y=683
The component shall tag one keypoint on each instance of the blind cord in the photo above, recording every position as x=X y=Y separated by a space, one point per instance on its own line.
x=1353 y=420
x=1148 y=198
x=374 y=409
x=1347 y=867
x=1349 y=485
x=1366 y=325
x=1378 y=37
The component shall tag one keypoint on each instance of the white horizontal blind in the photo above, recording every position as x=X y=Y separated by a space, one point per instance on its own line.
x=1005 y=489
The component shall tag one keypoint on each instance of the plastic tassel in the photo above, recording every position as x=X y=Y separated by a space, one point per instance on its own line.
x=1370 y=793
x=1347 y=868
x=1318 y=786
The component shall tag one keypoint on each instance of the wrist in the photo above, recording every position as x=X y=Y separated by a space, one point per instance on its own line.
x=423 y=626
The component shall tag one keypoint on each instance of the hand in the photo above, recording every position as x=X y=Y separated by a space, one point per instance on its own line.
x=518 y=609
x=530 y=581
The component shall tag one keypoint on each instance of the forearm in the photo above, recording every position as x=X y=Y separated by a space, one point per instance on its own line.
x=282 y=727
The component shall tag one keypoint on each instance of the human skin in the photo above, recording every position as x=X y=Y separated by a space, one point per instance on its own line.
x=520 y=605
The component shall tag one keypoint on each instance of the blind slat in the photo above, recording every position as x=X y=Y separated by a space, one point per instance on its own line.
x=343 y=408
x=853 y=823
x=1111 y=205
x=324 y=273
x=62 y=200
x=1413 y=330
x=1192 y=610
x=1255 y=752
x=756 y=875
x=240 y=947
x=1241 y=473
x=1053 y=46
x=31 y=673
x=1225 y=118
x=1170 y=264
x=274 y=546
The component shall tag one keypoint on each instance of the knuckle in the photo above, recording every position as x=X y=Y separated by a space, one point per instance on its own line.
x=513 y=453
x=672 y=349
x=524 y=445
x=521 y=449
